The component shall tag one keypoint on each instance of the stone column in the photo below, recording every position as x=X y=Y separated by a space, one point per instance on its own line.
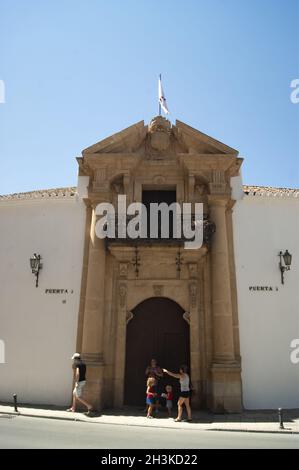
x=92 y=338
x=120 y=359
x=195 y=358
x=225 y=371
x=193 y=320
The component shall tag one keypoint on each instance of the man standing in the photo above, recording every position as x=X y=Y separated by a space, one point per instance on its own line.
x=80 y=381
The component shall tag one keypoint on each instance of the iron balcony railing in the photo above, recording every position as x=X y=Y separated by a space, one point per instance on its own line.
x=120 y=234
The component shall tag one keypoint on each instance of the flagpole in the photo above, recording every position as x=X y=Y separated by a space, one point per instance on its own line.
x=159 y=98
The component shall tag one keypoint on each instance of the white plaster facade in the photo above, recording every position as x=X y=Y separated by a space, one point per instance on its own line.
x=38 y=328
x=265 y=222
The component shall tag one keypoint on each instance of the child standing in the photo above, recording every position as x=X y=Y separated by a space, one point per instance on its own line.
x=150 y=396
x=169 y=398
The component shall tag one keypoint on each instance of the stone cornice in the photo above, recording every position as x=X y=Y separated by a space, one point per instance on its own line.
x=197 y=163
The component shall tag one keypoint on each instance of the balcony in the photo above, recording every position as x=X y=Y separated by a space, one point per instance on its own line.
x=120 y=229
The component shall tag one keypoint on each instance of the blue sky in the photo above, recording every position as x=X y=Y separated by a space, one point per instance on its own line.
x=78 y=71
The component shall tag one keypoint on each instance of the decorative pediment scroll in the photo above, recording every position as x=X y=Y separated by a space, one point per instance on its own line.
x=129 y=316
x=186 y=317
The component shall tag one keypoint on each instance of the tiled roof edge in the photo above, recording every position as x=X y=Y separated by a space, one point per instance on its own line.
x=58 y=193
x=70 y=192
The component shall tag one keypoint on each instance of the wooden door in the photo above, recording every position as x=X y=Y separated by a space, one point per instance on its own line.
x=157 y=331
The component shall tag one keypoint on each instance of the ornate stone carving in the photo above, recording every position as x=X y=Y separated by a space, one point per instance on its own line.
x=200 y=193
x=218 y=184
x=158 y=290
x=100 y=179
x=129 y=316
x=123 y=270
x=192 y=267
x=159 y=179
x=118 y=186
x=193 y=294
x=159 y=130
x=186 y=317
x=122 y=293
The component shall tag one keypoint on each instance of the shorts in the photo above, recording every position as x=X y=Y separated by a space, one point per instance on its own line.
x=169 y=404
x=150 y=400
x=185 y=394
x=78 y=390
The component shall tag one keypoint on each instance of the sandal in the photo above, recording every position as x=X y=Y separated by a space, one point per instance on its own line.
x=70 y=409
x=177 y=420
x=90 y=412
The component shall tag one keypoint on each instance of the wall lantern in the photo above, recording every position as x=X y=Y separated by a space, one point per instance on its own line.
x=284 y=265
x=36 y=266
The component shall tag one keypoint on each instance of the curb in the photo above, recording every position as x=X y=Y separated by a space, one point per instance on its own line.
x=90 y=421
x=13 y=413
x=258 y=431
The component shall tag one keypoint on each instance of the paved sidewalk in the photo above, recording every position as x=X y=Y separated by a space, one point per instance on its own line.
x=248 y=421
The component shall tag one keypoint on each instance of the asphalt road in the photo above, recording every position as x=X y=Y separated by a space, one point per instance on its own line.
x=35 y=433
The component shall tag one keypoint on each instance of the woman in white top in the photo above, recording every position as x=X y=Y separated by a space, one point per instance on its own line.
x=184 y=398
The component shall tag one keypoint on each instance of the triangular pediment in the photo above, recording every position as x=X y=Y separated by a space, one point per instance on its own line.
x=182 y=139
x=127 y=140
x=198 y=142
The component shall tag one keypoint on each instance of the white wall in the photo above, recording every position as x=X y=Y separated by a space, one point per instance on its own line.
x=38 y=329
x=269 y=321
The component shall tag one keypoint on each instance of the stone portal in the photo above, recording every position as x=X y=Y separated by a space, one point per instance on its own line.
x=120 y=274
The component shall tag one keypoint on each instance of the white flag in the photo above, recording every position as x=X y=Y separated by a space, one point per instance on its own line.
x=162 y=99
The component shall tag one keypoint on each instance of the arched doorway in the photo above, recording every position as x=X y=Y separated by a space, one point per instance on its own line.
x=157 y=330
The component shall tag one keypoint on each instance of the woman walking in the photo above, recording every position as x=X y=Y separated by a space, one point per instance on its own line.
x=184 y=398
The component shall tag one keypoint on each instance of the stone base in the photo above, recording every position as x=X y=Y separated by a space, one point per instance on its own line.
x=93 y=391
x=118 y=401
x=198 y=397
x=225 y=388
